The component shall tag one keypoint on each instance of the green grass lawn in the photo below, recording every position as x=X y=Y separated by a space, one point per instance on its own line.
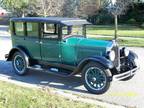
x=130 y=42
x=126 y=34
x=12 y=96
x=124 y=30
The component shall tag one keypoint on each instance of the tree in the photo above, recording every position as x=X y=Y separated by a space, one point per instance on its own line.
x=17 y=7
x=70 y=8
x=1 y=1
x=67 y=8
x=39 y=7
x=88 y=7
x=48 y=7
x=118 y=7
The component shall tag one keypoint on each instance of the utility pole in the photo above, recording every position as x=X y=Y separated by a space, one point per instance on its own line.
x=116 y=26
x=115 y=19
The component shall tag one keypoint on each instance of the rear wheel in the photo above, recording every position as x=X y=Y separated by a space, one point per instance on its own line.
x=19 y=64
x=96 y=78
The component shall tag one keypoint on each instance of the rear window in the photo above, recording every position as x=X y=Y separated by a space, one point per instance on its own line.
x=32 y=29
x=19 y=28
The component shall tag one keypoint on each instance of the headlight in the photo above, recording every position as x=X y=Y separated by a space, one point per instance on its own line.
x=111 y=55
x=125 y=51
x=136 y=62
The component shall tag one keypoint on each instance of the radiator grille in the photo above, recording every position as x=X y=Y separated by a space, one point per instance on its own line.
x=116 y=62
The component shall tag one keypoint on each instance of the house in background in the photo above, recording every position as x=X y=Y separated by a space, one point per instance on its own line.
x=4 y=16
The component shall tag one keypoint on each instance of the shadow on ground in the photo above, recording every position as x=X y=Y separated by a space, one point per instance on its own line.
x=42 y=79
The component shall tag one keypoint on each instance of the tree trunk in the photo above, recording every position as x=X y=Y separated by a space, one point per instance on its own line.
x=98 y=4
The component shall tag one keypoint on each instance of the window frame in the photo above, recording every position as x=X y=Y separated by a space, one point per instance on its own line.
x=57 y=28
x=83 y=30
x=14 y=29
x=26 y=32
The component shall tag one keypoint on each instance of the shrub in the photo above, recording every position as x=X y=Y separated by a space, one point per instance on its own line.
x=103 y=17
x=131 y=21
x=142 y=25
x=134 y=15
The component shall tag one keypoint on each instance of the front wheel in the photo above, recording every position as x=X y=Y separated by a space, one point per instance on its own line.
x=96 y=78
x=19 y=64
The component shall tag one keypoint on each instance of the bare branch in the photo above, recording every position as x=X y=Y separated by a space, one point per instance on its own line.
x=120 y=7
x=49 y=7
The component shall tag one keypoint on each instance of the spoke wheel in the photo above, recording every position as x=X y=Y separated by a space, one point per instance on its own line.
x=95 y=78
x=19 y=64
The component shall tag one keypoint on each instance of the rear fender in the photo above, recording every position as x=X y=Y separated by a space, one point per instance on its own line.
x=18 y=49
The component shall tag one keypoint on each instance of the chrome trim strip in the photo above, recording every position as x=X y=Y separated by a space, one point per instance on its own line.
x=125 y=74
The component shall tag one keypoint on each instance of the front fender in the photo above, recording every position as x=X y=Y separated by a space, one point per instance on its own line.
x=101 y=60
x=133 y=57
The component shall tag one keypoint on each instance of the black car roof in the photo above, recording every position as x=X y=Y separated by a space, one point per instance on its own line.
x=57 y=20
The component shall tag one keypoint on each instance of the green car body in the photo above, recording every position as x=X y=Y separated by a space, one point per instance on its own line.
x=47 y=43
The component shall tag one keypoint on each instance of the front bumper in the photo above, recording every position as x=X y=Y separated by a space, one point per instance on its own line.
x=134 y=59
x=124 y=75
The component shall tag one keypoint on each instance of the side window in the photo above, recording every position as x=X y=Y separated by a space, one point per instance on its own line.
x=50 y=31
x=19 y=29
x=32 y=29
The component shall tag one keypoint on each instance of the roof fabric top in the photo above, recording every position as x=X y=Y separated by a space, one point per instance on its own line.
x=57 y=20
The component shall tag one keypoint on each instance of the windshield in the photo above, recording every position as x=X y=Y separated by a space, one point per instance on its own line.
x=68 y=31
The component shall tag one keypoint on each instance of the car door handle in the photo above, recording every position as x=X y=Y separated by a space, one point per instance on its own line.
x=40 y=42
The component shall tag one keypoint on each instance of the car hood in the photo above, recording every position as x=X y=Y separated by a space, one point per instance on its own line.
x=87 y=43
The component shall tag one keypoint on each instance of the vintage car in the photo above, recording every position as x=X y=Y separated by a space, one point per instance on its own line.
x=59 y=46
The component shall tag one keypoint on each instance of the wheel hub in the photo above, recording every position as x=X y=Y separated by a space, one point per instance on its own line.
x=94 y=79
x=17 y=62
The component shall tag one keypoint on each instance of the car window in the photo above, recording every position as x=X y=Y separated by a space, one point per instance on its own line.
x=50 y=31
x=19 y=29
x=72 y=30
x=32 y=29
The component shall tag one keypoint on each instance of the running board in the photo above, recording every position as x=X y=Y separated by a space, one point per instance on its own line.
x=51 y=70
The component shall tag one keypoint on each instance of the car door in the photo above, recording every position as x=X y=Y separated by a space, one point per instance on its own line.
x=26 y=35
x=50 y=45
x=68 y=55
x=32 y=40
